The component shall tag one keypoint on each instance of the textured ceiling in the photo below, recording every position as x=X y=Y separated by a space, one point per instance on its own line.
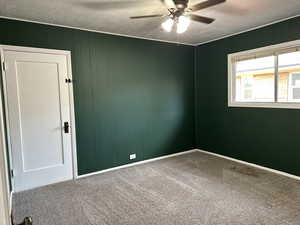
x=112 y=16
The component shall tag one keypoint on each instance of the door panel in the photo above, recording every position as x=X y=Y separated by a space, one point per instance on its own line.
x=39 y=115
x=38 y=106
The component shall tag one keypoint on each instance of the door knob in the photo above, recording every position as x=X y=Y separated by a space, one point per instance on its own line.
x=27 y=221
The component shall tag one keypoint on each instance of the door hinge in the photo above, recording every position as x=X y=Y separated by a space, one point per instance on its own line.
x=4 y=66
x=12 y=174
x=68 y=80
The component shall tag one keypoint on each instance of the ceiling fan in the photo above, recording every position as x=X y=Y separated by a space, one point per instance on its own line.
x=179 y=13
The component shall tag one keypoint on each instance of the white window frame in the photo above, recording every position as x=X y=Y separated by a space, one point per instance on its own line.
x=252 y=53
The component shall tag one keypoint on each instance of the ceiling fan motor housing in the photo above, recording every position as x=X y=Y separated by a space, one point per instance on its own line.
x=181 y=4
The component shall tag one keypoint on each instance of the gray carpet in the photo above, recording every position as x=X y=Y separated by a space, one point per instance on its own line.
x=191 y=189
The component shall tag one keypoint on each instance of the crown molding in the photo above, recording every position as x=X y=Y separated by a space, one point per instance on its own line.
x=245 y=31
x=95 y=31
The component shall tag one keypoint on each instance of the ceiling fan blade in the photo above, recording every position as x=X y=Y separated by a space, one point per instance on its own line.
x=147 y=16
x=206 y=4
x=168 y=3
x=202 y=19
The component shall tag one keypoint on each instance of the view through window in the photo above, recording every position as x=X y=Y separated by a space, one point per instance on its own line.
x=255 y=79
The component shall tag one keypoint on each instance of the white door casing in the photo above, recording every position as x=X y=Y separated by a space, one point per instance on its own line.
x=5 y=206
x=38 y=104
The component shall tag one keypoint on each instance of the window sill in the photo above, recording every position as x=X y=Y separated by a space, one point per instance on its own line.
x=288 y=105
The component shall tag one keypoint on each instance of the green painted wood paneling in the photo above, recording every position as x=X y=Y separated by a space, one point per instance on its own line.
x=131 y=95
x=268 y=137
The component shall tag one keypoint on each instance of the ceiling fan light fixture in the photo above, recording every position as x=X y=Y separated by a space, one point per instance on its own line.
x=181 y=6
x=168 y=25
x=183 y=24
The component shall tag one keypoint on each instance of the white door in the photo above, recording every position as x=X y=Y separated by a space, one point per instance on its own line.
x=38 y=113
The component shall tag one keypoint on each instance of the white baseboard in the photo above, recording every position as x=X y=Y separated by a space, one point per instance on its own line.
x=190 y=151
x=251 y=164
x=136 y=163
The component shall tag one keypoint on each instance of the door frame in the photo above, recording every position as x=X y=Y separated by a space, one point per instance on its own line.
x=5 y=194
x=66 y=53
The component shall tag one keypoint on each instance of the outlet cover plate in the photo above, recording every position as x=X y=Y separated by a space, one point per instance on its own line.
x=132 y=156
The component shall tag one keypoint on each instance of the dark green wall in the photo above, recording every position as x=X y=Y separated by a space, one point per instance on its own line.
x=131 y=95
x=268 y=137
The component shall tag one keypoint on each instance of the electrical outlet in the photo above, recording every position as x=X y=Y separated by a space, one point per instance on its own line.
x=132 y=156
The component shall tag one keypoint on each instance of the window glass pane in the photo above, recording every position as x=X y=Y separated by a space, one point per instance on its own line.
x=255 y=80
x=289 y=77
x=295 y=79
x=296 y=93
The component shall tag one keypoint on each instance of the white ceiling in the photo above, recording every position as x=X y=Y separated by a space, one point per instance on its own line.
x=112 y=16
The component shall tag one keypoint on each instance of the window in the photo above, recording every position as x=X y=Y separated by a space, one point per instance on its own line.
x=265 y=77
